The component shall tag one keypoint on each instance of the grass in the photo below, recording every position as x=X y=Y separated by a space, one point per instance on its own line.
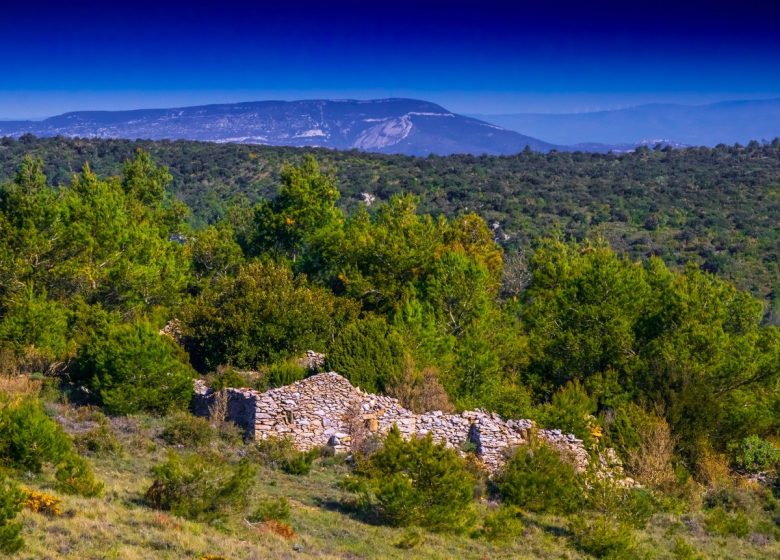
x=120 y=526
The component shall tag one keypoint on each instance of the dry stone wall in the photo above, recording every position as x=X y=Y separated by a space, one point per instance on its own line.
x=324 y=409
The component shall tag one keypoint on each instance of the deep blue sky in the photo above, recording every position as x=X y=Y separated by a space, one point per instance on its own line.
x=473 y=57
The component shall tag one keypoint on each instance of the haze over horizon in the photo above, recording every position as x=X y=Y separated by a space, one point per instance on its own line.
x=495 y=58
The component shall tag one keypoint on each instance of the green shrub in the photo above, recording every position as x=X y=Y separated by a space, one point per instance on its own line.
x=11 y=500
x=271 y=509
x=281 y=454
x=185 y=429
x=100 y=440
x=571 y=410
x=226 y=377
x=201 y=486
x=684 y=551
x=283 y=373
x=29 y=438
x=536 y=478
x=369 y=353
x=131 y=368
x=503 y=524
x=603 y=537
x=754 y=455
x=74 y=476
x=722 y=522
x=633 y=506
x=416 y=482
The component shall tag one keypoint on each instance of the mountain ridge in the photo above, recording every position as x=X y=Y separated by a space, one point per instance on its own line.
x=392 y=125
x=723 y=122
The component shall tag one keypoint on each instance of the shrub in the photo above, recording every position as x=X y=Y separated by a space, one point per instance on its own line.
x=41 y=502
x=633 y=506
x=75 y=476
x=283 y=373
x=261 y=315
x=536 y=478
x=99 y=440
x=420 y=391
x=722 y=522
x=29 y=438
x=651 y=461
x=226 y=377
x=754 y=454
x=131 y=368
x=571 y=410
x=503 y=524
x=271 y=509
x=11 y=500
x=369 y=353
x=684 y=551
x=35 y=329
x=416 y=482
x=280 y=453
x=281 y=529
x=200 y=487
x=603 y=537
x=185 y=429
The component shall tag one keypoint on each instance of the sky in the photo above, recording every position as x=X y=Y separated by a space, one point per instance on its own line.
x=479 y=57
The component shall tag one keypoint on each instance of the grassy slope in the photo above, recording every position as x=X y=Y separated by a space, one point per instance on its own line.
x=119 y=525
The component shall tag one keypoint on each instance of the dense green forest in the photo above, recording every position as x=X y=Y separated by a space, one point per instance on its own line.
x=717 y=208
x=670 y=364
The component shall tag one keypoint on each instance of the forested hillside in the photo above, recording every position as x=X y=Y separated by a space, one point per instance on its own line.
x=717 y=208
x=113 y=300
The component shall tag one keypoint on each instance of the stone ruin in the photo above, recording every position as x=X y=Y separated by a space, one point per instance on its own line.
x=325 y=410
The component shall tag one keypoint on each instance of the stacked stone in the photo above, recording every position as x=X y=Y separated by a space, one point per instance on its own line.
x=312 y=412
x=450 y=429
x=321 y=410
x=569 y=445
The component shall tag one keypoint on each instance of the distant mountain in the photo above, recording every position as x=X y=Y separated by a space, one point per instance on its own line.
x=727 y=122
x=398 y=126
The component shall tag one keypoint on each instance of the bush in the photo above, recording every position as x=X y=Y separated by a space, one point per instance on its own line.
x=633 y=506
x=571 y=410
x=416 y=482
x=200 y=487
x=603 y=537
x=754 y=455
x=369 y=353
x=11 y=500
x=536 y=478
x=722 y=522
x=29 y=438
x=185 y=429
x=35 y=329
x=226 y=377
x=503 y=524
x=98 y=441
x=40 y=502
x=283 y=373
x=75 y=476
x=261 y=315
x=280 y=453
x=131 y=368
x=271 y=509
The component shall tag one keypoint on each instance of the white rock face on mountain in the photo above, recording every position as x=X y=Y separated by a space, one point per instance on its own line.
x=387 y=133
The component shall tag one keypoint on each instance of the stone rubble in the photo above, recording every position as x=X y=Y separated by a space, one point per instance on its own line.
x=320 y=410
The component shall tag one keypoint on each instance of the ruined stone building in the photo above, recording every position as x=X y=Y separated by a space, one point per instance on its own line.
x=325 y=409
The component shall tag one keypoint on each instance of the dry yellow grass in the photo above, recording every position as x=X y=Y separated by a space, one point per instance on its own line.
x=19 y=385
